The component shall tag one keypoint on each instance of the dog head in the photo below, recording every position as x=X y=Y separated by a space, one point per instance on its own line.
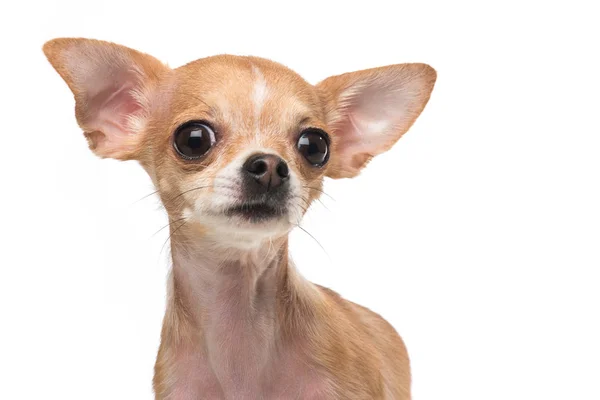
x=236 y=146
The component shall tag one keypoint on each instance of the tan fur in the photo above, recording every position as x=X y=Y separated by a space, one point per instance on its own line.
x=341 y=350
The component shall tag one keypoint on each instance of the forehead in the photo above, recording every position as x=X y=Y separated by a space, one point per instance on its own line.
x=244 y=94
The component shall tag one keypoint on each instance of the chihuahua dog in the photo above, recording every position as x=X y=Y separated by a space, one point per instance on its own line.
x=237 y=148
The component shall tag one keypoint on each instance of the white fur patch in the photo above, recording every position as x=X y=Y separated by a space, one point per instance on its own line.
x=259 y=96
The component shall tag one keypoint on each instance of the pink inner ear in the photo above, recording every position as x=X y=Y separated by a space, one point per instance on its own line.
x=111 y=113
x=377 y=114
x=109 y=88
x=113 y=108
x=371 y=118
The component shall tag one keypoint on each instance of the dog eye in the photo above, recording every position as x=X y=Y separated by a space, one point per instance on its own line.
x=313 y=144
x=193 y=140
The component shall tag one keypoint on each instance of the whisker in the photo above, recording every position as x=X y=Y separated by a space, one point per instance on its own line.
x=323 y=204
x=308 y=204
x=298 y=201
x=171 y=234
x=319 y=190
x=315 y=239
x=304 y=200
x=177 y=220
x=145 y=197
x=187 y=191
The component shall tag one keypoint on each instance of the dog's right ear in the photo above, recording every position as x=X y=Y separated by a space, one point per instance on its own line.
x=112 y=85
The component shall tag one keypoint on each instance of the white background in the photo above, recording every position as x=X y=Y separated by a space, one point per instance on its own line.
x=477 y=236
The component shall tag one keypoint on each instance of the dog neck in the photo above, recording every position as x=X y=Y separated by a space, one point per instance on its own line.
x=238 y=308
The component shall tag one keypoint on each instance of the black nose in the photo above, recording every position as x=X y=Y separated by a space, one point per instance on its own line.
x=268 y=170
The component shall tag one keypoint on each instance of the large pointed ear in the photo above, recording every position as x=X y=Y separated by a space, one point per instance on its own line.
x=369 y=110
x=112 y=86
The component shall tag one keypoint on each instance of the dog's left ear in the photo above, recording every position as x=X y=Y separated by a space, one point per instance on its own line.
x=368 y=111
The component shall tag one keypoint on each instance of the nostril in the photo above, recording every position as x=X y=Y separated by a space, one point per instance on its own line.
x=283 y=170
x=258 y=167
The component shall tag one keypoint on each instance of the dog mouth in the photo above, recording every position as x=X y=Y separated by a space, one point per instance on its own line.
x=256 y=212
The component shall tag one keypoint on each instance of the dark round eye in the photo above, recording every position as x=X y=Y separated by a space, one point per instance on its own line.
x=193 y=140
x=313 y=144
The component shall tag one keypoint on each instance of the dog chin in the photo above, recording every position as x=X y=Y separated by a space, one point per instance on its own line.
x=244 y=229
